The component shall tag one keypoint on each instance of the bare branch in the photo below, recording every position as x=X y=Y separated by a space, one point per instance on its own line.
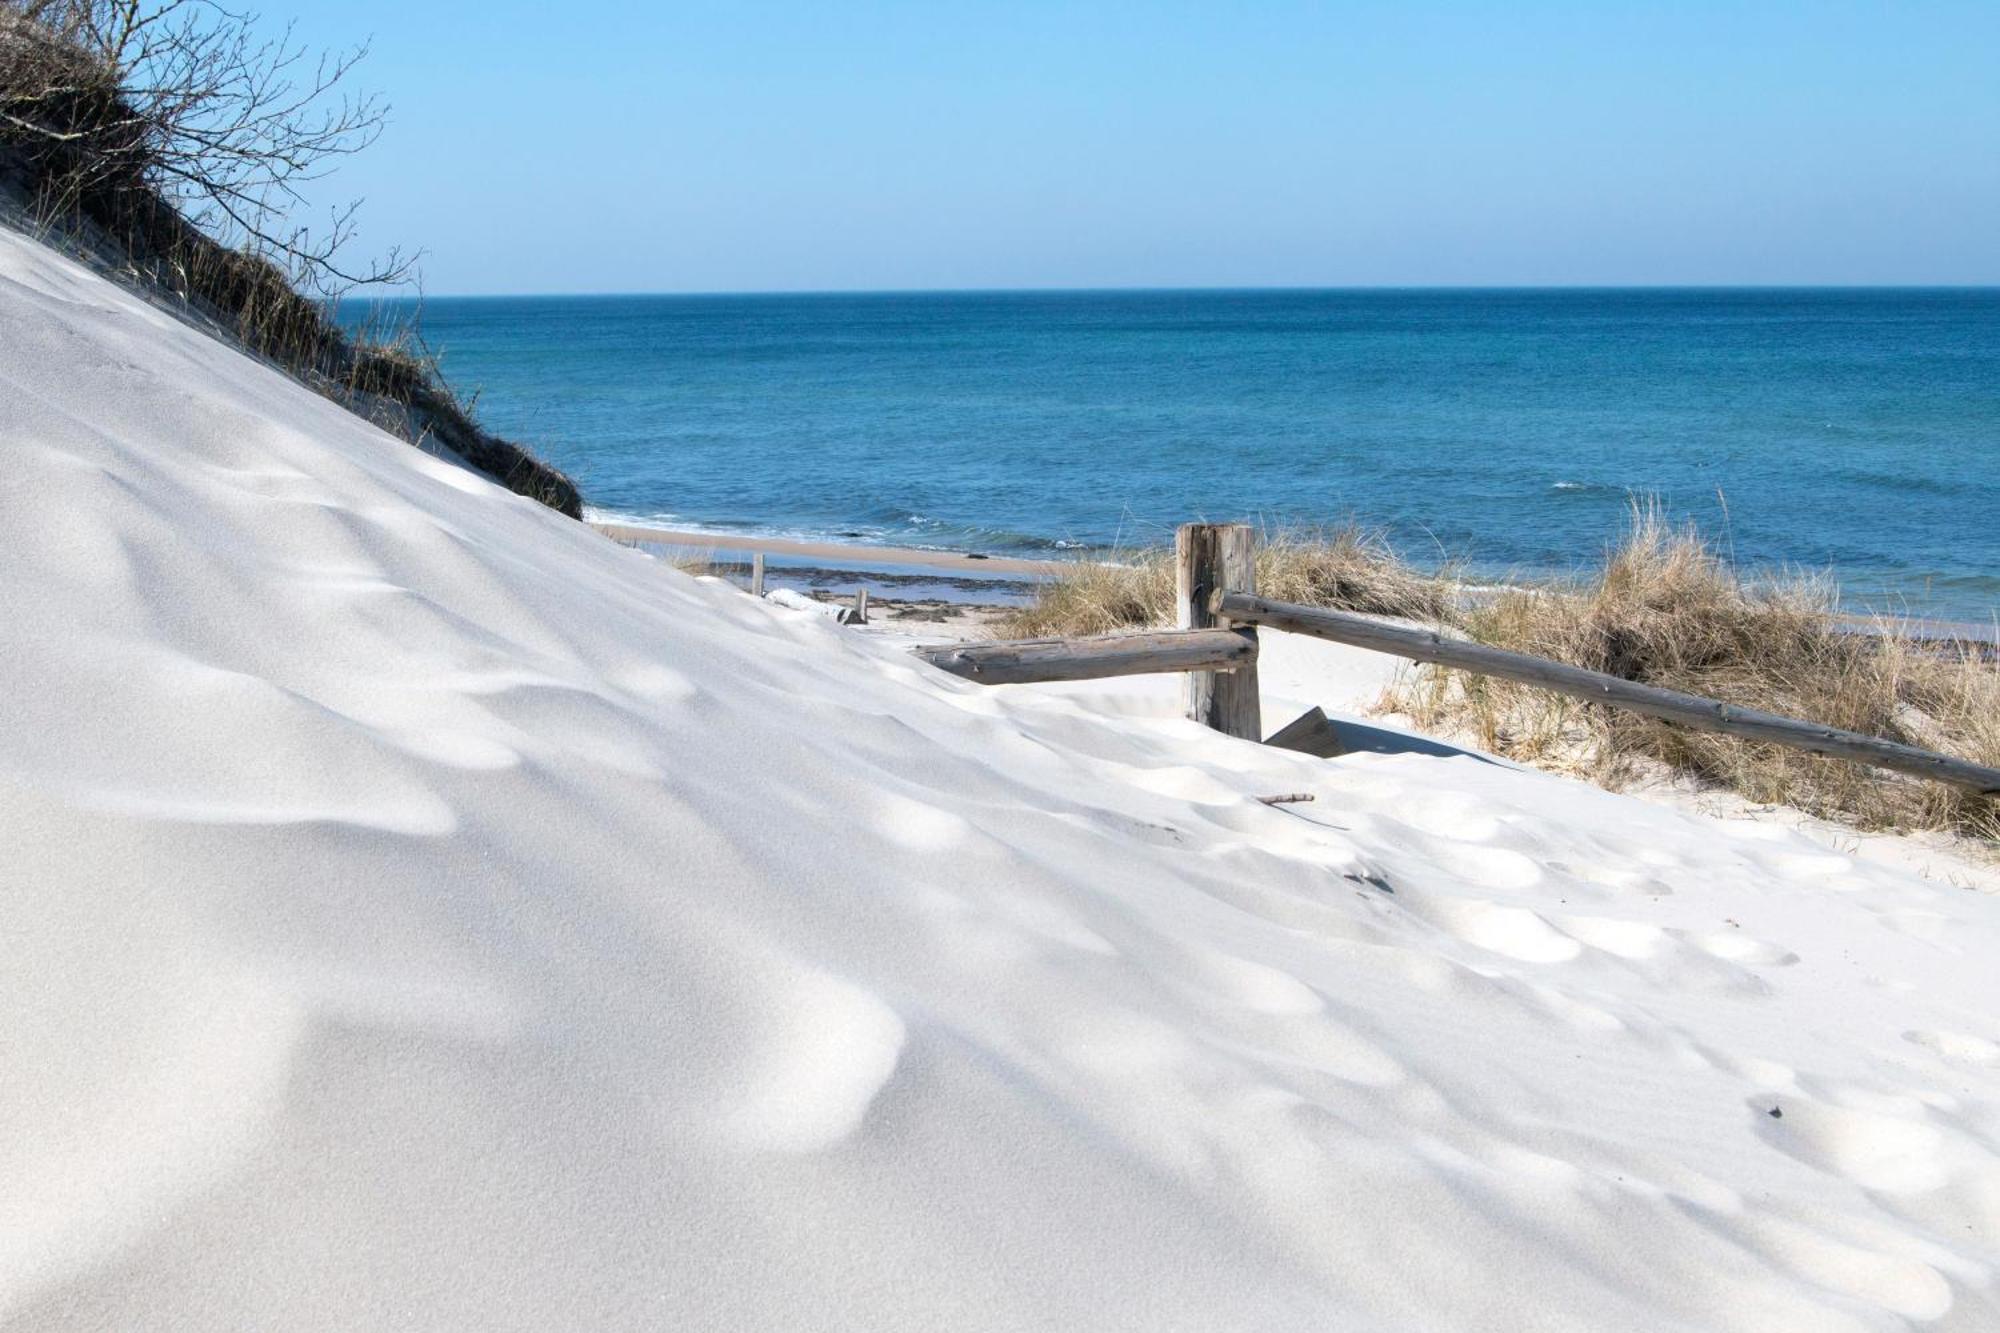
x=187 y=99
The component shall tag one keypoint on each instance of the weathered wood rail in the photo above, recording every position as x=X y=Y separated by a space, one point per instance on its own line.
x=1690 y=710
x=1025 y=661
x=1216 y=645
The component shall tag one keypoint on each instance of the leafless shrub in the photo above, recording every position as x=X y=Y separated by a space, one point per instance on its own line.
x=123 y=104
x=175 y=134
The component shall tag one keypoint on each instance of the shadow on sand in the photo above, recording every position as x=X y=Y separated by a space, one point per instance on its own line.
x=1359 y=738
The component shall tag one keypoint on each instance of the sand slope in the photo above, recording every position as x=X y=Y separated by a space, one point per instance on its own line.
x=420 y=912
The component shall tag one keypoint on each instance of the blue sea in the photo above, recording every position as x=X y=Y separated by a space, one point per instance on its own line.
x=1852 y=431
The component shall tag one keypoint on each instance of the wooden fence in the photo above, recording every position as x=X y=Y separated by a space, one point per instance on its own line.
x=1215 y=645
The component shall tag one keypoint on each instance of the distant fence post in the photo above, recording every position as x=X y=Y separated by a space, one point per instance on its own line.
x=756 y=573
x=1211 y=558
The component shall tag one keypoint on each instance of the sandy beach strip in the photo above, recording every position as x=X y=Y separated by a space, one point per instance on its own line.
x=837 y=557
x=833 y=553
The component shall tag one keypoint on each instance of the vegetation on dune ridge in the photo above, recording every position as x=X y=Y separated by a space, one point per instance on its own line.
x=1664 y=609
x=169 y=141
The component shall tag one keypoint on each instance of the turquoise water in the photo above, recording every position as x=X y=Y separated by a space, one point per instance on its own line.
x=1857 y=431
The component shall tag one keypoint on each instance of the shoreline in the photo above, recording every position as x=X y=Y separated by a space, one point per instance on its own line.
x=971 y=564
x=836 y=557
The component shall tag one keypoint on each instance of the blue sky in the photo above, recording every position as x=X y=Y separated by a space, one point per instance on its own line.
x=786 y=145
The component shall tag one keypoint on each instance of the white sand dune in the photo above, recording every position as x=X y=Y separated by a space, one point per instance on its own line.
x=420 y=912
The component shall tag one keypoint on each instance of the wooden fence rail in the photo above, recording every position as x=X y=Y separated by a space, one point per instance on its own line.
x=1025 y=661
x=1670 y=705
x=1219 y=612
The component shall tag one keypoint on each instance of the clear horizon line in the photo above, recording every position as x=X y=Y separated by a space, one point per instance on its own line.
x=1147 y=289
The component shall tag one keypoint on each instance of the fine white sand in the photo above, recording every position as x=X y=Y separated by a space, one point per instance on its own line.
x=1348 y=684
x=420 y=912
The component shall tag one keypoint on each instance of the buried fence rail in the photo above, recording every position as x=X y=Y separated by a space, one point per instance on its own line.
x=1024 y=661
x=1220 y=661
x=1689 y=710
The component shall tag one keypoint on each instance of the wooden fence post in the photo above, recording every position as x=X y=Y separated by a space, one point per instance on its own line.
x=1211 y=558
x=756 y=573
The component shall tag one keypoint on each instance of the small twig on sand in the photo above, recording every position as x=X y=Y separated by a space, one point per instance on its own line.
x=1289 y=799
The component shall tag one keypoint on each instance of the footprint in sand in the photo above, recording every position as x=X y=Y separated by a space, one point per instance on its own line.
x=1254 y=986
x=919 y=825
x=1733 y=946
x=819 y=1054
x=1893 y=1154
x=1514 y=932
x=1485 y=867
x=1457 y=816
x=1624 y=939
x=657 y=684
x=1931 y=927
x=1853 y=1267
x=1957 y=1046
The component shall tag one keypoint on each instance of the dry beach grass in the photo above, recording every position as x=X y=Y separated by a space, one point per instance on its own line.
x=1664 y=609
x=1348 y=567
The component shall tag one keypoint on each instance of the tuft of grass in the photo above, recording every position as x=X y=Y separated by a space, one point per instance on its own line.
x=1092 y=598
x=1352 y=568
x=1667 y=610
x=700 y=564
x=1349 y=568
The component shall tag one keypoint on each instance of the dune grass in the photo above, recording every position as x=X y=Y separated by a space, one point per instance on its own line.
x=1665 y=609
x=1348 y=567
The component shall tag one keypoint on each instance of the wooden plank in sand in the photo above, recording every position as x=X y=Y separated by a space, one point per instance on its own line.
x=1025 y=661
x=1690 y=710
x=1210 y=558
x=1311 y=732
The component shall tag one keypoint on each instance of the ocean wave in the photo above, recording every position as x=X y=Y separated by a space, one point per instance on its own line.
x=1911 y=483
